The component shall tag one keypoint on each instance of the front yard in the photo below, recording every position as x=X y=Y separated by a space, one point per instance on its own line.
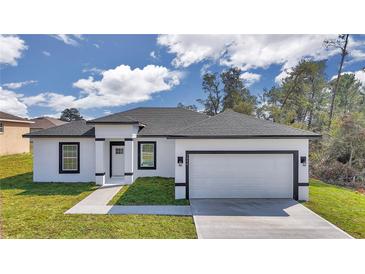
x=30 y=210
x=341 y=206
x=148 y=191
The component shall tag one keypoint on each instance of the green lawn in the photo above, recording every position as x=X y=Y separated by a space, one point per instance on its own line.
x=31 y=210
x=341 y=206
x=148 y=191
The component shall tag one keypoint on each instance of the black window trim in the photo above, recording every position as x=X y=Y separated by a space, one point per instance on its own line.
x=3 y=127
x=154 y=154
x=60 y=169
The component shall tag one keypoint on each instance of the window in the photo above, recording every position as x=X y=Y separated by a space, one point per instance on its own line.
x=146 y=155
x=119 y=150
x=1 y=128
x=69 y=158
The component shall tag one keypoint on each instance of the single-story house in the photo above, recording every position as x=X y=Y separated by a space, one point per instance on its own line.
x=229 y=155
x=44 y=123
x=12 y=129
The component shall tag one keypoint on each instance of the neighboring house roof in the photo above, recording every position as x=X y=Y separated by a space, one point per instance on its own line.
x=156 y=121
x=46 y=122
x=72 y=129
x=231 y=124
x=12 y=118
x=182 y=123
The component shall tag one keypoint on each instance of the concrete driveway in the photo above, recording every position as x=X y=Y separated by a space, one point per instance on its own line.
x=260 y=219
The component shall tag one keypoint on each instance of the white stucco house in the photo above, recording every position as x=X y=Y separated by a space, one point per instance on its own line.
x=230 y=155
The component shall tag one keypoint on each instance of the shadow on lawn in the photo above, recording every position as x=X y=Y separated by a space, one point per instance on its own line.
x=24 y=182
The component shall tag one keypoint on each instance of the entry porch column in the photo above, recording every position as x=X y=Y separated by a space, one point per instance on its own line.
x=128 y=160
x=99 y=161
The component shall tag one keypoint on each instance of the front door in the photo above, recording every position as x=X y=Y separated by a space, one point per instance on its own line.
x=117 y=161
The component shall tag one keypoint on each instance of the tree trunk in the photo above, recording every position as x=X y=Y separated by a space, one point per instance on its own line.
x=289 y=92
x=343 y=55
x=311 y=107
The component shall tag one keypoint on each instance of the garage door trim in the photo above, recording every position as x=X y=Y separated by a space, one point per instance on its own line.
x=292 y=152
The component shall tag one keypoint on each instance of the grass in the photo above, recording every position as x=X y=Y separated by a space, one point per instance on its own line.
x=32 y=210
x=341 y=206
x=148 y=191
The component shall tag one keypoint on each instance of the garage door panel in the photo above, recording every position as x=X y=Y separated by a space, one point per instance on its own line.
x=240 y=176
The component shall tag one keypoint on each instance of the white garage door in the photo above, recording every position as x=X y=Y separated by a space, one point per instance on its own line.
x=240 y=176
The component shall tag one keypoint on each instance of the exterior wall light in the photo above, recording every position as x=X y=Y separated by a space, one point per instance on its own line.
x=303 y=160
x=180 y=160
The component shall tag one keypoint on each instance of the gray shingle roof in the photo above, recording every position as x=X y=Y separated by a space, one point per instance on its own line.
x=118 y=118
x=72 y=129
x=181 y=123
x=156 y=120
x=233 y=124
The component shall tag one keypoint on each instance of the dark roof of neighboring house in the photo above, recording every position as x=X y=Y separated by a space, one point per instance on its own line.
x=12 y=118
x=182 y=123
x=72 y=129
x=46 y=122
x=233 y=124
x=155 y=120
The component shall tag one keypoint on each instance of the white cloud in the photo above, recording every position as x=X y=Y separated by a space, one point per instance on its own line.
x=10 y=103
x=46 y=53
x=69 y=39
x=17 y=85
x=359 y=75
x=153 y=55
x=93 y=70
x=245 y=51
x=119 y=86
x=250 y=78
x=97 y=46
x=251 y=51
x=190 y=49
x=11 y=49
x=34 y=100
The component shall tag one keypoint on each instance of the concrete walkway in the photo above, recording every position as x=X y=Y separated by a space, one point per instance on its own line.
x=97 y=203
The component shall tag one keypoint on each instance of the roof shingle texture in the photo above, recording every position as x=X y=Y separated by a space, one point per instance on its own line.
x=157 y=121
x=8 y=116
x=46 y=122
x=75 y=128
x=230 y=123
x=178 y=122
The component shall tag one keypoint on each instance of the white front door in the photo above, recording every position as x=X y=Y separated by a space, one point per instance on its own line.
x=117 y=161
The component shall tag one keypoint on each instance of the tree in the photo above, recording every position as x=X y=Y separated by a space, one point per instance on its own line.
x=300 y=99
x=211 y=86
x=339 y=43
x=347 y=144
x=70 y=114
x=189 y=107
x=349 y=96
x=236 y=95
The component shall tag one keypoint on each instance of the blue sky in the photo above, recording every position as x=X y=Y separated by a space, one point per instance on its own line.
x=100 y=74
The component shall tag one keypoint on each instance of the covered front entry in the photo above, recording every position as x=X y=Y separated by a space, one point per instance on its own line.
x=116 y=159
x=242 y=174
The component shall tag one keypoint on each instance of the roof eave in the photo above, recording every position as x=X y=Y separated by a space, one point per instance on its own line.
x=57 y=136
x=245 y=137
x=17 y=121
